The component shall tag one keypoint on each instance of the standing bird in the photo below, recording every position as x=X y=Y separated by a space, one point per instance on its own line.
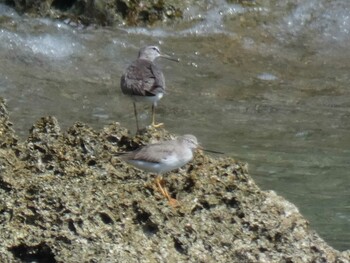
x=163 y=157
x=144 y=81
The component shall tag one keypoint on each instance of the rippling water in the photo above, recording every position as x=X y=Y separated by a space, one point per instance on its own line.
x=266 y=84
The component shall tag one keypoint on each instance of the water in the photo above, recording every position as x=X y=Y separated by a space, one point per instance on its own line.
x=266 y=84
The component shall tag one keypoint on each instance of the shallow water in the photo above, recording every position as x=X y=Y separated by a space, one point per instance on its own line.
x=268 y=85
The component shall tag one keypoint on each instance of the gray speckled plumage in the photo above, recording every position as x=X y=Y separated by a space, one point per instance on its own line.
x=143 y=80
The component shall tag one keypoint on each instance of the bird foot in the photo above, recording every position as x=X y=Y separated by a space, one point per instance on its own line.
x=157 y=125
x=172 y=201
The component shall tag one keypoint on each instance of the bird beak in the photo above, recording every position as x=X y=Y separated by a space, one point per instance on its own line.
x=209 y=151
x=169 y=57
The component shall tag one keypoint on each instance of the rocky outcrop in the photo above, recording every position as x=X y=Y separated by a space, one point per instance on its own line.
x=66 y=197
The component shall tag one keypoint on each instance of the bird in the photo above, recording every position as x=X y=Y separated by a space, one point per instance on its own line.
x=144 y=81
x=163 y=157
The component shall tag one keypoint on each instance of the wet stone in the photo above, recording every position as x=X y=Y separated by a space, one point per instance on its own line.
x=103 y=12
x=66 y=197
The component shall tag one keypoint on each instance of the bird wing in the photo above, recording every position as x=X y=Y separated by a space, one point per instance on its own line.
x=142 y=78
x=160 y=152
x=159 y=81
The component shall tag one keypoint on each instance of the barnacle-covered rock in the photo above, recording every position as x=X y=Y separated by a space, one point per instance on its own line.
x=66 y=197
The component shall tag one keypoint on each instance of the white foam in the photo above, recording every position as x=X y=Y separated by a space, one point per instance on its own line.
x=327 y=21
x=8 y=11
x=51 y=45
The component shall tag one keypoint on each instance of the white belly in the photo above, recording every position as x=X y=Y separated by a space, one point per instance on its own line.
x=151 y=99
x=167 y=164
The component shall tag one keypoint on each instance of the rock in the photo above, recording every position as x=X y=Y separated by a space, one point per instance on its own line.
x=66 y=197
x=103 y=12
x=7 y=136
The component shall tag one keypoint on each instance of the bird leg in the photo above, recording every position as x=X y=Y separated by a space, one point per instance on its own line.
x=135 y=112
x=154 y=125
x=172 y=201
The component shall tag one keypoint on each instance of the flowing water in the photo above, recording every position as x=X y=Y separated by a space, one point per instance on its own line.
x=266 y=84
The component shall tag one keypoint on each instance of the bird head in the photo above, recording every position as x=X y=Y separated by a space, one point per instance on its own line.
x=150 y=53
